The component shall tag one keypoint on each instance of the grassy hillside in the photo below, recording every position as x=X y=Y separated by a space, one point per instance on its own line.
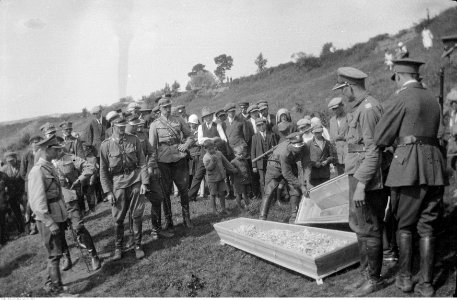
x=294 y=85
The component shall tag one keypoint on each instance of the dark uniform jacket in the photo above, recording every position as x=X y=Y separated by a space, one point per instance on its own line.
x=74 y=146
x=260 y=146
x=364 y=160
x=412 y=111
x=122 y=163
x=338 y=137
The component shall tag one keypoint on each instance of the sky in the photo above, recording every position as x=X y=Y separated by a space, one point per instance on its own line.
x=62 y=56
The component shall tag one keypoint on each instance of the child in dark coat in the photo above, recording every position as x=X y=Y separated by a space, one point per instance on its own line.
x=242 y=179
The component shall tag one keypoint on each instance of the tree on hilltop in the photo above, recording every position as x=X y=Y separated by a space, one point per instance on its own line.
x=166 y=89
x=196 y=69
x=261 y=62
x=175 y=87
x=224 y=62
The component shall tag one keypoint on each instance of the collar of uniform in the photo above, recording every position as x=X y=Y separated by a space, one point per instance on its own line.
x=357 y=102
x=44 y=162
x=409 y=82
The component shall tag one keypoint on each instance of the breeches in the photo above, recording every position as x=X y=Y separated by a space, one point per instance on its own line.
x=128 y=200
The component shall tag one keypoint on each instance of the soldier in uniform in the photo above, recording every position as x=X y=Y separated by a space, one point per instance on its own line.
x=124 y=178
x=72 y=145
x=282 y=165
x=110 y=116
x=169 y=158
x=27 y=162
x=367 y=201
x=74 y=172
x=338 y=129
x=416 y=175
x=46 y=201
x=145 y=115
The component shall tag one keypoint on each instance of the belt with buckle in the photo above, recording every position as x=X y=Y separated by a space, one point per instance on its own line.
x=422 y=140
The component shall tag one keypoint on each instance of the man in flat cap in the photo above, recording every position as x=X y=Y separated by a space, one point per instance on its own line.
x=338 y=129
x=170 y=138
x=72 y=145
x=46 y=202
x=124 y=178
x=417 y=172
x=367 y=201
x=29 y=158
x=94 y=133
x=263 y=110
x=145 y=115
x=15 y=185
x=282 y=165
x=237 y=130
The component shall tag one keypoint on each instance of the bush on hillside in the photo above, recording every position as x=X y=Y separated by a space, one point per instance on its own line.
x=308 y=62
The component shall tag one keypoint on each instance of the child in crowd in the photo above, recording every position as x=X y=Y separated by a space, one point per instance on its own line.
x=321 y=154
x=242 y=179
x=216 y=165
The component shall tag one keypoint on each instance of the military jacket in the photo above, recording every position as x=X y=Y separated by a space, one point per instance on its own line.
x=73 y=146
x=412 y=111
x=365 y=165
x=146 y=147
x=45 y=195
x=165 y=135
x=122 y=163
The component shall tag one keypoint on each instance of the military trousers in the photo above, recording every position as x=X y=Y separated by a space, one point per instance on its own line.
x=54 y=243
x=177 y=172
x=417 y=208
x=156 y=197
x=128 y=200
x=367 y=221
x=76 y=218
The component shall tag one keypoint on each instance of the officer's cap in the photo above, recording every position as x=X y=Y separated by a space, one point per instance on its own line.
x=164 y=101
x=406 y=65
x=35 y=139
x=230 y=106
x=10 y=155
x=111 y=115
x=66 y=125
x=259 y=121
x=335 y=102
x=452 y=96
x=206 y=111
x=243 y=104
x=295 y=139
x=48 y=128
x=119 y=121
x=96 y=109
x=220 y=112
x=262 y=102
x=317 y=128
x=253 y=108
x=348 y=76
x=50 y=142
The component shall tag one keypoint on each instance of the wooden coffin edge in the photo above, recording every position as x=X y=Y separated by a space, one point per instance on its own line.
x=316 y=268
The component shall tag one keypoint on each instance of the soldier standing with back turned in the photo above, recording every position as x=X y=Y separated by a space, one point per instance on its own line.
x=363 y=165
x=416 y=175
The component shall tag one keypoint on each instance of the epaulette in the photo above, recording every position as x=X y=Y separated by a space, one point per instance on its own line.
x=400 y=90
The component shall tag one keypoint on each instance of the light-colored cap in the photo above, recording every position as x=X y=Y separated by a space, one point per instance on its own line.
x=193 y=119
x=335 y=102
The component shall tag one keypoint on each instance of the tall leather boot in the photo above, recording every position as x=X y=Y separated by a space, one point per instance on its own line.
x=294 y=200
x=66 y=259
x=88 y=243
x=156 y=221
x=138 y=234
x=54 y=283
x=404 y=278
x=265 y=207
x=119 y=241
x=427 y=253
x=167 y=213
x=374 y=281
x=362 y=243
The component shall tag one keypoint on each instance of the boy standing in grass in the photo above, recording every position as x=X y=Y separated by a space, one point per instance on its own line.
x=216 y=165
x=242 y=178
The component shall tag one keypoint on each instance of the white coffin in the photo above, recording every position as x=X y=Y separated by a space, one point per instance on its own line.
x=327 y=203
x=316 y=268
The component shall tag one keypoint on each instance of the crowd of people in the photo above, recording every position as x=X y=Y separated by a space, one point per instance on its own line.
x=246 y=153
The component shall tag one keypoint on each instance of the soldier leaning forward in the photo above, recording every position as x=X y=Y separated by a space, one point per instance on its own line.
x=367 y=199
x=124 y=178
x=74 y=172
x=282 y=165
x=170 y=155
x=417 y=172
x=155 y=194
x=46 y=201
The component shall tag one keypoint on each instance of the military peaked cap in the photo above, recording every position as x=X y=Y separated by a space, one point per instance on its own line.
x=348 y=76
x=335 y=102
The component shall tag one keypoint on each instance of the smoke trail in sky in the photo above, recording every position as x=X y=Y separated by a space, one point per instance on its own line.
x=122 y=22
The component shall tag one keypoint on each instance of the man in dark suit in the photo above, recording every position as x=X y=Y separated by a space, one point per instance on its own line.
x=417 y=172
x=236 y=129
x=263 y=109
x=94 y=134
x=262 y=141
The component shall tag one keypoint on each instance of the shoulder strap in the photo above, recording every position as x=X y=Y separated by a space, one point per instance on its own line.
x=167 y=124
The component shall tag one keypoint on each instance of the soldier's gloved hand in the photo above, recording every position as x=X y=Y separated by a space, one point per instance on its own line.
x=75 y=184
x=143 y=189
x=254 y=170
x=359 y=195
x=55 y=230
x=110 y=197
